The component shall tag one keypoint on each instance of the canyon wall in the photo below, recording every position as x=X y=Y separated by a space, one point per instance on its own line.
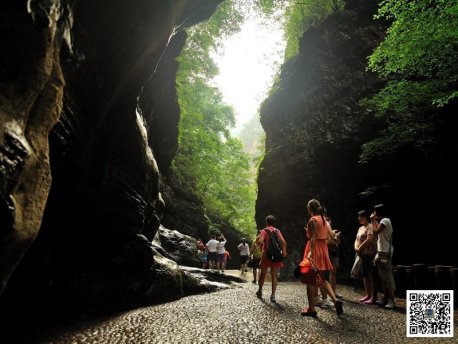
x=314 y=131
x=88 y=118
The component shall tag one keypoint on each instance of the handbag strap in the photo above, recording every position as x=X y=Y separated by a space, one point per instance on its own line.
x=312 y=263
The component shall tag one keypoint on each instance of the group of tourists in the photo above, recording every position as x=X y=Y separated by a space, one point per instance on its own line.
x=214 y=254
x=374 y=252
x=373 y=247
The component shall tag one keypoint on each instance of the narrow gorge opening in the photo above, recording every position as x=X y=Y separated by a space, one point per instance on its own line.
x=226 y=69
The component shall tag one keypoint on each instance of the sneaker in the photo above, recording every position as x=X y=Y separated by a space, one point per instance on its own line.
x=259 y=294
x=317 y=301
x=381 y=302
x=325 y=303
x=272 y=299
x=390 y=304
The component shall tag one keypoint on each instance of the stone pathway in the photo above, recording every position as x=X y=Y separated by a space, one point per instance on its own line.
x=237 y=316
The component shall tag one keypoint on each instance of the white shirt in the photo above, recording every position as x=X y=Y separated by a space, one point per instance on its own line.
x=220 y=247
x=211 y=245
x=244 y=249
x=384 y=238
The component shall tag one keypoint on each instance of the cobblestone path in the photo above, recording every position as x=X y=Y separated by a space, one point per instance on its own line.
x=237 y=316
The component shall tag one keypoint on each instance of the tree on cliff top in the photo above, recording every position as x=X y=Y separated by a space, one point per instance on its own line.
x=418 y=56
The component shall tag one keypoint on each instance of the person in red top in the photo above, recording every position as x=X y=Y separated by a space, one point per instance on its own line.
x=317 y=249
x=263 y=241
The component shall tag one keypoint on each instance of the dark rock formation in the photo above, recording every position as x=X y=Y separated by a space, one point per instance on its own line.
x=181 y=248
x=31 y=91
x=185 y=213
x=93 y=253
x=313 y=126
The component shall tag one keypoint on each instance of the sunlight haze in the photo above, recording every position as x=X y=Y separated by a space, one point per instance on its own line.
x=248 y=61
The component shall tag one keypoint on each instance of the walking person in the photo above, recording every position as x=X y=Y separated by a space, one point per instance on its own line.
x=212 y=252
x=204 y=258
x=263 y=240
x=256 y=254
x=227 y=256
x=333 y=243
x=221 y=251
x=383 y=228
x=317 y=249
x=244 y=249
x=365 y=247
x=200 y=245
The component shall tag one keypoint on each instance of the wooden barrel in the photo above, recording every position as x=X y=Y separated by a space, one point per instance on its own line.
x=443 y=277
x=420 y=277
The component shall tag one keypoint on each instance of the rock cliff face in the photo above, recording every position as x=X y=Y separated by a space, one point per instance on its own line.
x=314 y=132
x=314 y=125
x=106 y=70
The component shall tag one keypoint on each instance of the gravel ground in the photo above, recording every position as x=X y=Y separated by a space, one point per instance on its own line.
x=237 y=316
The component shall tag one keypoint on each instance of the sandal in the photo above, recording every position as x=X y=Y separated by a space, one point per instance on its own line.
x=339 y=307
x=369 y=302
x=307 y=313
x=365 y=298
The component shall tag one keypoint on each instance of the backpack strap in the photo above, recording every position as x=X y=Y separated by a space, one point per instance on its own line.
x=270 y=233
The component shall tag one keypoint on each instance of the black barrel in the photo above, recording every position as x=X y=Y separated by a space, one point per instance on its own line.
x=454 y=276
x=402 y=280
x=432 y=276
x=421 y=280
x=443 y=277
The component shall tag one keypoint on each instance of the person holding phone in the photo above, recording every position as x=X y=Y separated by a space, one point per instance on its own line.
x=383 y=228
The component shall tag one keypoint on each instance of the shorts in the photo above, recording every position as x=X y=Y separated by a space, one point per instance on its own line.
x=221 y=258
x=367 y=265
x=212 y=256
x=243 y=259
x=254 y=263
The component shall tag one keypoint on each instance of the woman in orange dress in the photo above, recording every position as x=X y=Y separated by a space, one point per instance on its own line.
x=317 y=249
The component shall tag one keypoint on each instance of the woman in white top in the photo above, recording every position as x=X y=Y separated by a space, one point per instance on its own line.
x=244 y=249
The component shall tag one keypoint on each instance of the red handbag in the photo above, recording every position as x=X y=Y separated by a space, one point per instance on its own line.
x=310 y=275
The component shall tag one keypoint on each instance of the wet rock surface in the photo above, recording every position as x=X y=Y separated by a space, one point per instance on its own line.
x=236 y=316
x=180 y=247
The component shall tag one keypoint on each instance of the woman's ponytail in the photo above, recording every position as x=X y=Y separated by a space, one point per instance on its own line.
x=321 y=212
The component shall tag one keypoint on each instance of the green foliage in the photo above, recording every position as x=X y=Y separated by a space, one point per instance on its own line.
x=419 y=56
x=300 y=15
x=209 y=162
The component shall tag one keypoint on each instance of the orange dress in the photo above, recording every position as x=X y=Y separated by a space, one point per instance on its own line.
x=320 y=254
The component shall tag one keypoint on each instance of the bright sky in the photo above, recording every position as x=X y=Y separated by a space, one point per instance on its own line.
x=248 y=62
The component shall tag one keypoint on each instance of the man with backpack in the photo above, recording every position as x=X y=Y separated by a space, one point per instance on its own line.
x=273 y=251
